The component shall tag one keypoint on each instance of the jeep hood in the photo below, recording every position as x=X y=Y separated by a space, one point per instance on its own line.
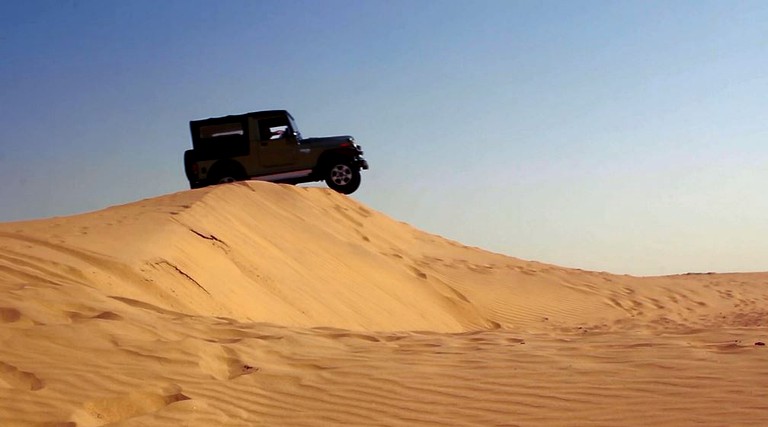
x=327 y=141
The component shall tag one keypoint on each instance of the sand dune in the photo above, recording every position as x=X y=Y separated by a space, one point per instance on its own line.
x=260 y=304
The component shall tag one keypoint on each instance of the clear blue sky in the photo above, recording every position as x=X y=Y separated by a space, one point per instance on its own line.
x=627 y=136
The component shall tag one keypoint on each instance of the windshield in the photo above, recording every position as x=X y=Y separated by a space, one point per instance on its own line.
x=294 y=127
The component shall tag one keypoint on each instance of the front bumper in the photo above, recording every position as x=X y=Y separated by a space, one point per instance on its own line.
x=361 y=163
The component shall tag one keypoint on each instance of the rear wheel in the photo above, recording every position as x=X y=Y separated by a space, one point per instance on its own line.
x=226 y=180
x=343 y=177
x=224 y=173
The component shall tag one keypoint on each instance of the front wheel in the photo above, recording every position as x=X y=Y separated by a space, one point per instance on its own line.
x=343 y=178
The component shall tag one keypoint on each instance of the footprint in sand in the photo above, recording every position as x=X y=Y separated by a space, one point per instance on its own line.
x=120 y=408
x=13 y=377
x=420 y=274
x=9 y=315
x=223 y=363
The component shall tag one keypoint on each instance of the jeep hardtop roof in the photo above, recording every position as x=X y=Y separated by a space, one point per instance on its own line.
x=234 y=117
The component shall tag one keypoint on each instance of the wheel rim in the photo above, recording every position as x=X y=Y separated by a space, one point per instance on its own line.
x=341 y=175
x=226 y=180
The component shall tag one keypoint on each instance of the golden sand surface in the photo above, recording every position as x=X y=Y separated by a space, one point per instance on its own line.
x=253 y=304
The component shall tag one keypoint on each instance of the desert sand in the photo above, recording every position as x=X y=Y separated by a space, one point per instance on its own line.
x=254 y=304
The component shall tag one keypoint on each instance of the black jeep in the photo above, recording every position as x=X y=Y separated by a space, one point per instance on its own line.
x=267 y=145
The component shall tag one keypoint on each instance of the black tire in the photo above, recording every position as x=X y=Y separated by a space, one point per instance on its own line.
x=224 y=173
x=343 y=177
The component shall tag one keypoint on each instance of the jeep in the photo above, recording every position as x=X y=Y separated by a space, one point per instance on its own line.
x=267 y=146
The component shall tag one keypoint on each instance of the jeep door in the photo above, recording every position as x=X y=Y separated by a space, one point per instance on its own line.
x=278 y=147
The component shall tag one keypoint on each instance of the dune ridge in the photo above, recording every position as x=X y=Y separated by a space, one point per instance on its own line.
x=261 y=304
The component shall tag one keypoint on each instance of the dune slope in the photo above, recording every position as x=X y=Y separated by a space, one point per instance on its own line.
x=261 y=304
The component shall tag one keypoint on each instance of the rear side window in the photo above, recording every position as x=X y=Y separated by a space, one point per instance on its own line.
x=221 y=140
x=215 y=131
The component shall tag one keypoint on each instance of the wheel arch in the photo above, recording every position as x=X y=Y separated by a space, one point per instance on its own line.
x=327 y=160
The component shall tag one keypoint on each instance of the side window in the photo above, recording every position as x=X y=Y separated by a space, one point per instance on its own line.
x=222 y=140
x=273 y=128
x=217 y=131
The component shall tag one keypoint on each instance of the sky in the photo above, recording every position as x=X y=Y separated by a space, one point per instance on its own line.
x=620 y=136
